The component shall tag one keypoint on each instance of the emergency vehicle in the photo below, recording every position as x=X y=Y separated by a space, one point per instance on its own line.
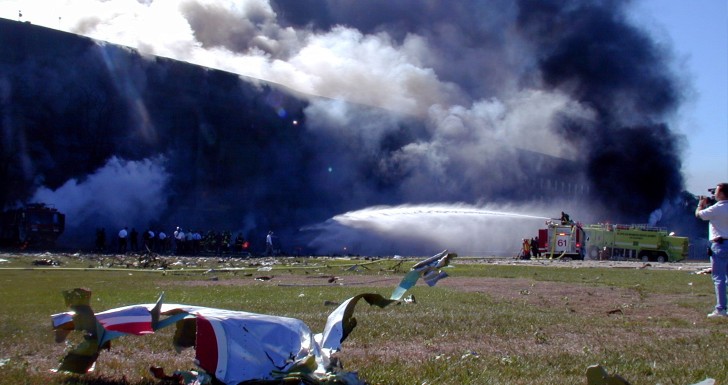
x=33 y=224
x=571 y=240
x=561 y=239
x=643 y=242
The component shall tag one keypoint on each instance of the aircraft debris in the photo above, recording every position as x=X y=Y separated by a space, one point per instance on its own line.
x=46 y=262
x=231 y=347
x=426 y=270
x=706 y=271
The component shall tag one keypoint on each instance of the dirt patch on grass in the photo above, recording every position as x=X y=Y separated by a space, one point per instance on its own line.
x=587 y=298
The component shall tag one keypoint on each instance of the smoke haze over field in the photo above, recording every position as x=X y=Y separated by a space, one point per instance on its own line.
x=341 y=106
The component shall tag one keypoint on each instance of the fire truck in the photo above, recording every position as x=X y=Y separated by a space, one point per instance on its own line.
x=571 y=240
x=32 y=224
x=562 y=239
x=643 y=242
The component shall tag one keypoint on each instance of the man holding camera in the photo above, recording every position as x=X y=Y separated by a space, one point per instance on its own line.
x=717 y=214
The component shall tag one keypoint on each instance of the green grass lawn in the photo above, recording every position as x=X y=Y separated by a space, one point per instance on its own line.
x=486 y=324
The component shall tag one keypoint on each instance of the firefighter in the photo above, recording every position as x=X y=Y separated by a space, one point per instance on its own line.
x=535 y=252
x=565 y=220
x=605 y=254
x=526 y=252
x=239 y=240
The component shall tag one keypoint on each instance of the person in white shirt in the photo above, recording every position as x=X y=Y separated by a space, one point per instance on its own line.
x=717 y=214
x=123 y=233
x=162 y=246
x=269 y=243
x=180 y=237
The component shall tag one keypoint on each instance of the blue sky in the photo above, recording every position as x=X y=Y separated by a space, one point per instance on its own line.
x=698 y=32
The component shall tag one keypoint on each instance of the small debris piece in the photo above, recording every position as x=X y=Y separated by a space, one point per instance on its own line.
x=707 y=381
x=597 y=375
x=46 y=262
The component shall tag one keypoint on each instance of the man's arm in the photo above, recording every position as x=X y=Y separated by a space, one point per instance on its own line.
x=702 y=203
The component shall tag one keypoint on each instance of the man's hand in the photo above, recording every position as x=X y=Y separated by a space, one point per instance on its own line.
x=702 y=203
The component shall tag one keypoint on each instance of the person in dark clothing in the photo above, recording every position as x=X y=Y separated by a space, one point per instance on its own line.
x=535 y=252
x=565 y=218
x=134 y=240
x=100 y=240
x=239 y=241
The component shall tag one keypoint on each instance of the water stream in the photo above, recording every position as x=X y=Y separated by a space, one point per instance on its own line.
x=426 y=229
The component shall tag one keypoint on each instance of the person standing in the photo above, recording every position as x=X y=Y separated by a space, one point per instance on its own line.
x=100 y=239
x=717 y=215
x=239 y=241
x=123 y=233
x=535 y=252
x=526 y=249
x=134 y=240
x=181 y=241
x=162 y=246
x=269 y=243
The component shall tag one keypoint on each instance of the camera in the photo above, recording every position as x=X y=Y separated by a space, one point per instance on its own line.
x=711 y=199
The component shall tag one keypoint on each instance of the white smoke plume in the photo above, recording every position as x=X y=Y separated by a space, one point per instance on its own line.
x=121 y=193
x=485 y=78
x=247 y=38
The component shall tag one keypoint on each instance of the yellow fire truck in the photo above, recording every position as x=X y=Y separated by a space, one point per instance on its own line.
x=646 y=243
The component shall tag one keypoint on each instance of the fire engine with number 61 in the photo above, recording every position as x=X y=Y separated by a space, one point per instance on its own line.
x=572 y=240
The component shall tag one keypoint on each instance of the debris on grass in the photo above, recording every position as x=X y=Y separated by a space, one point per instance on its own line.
x=597 y=375
x=427 y=270
x=706 y=271
x=231 y=347
x=46 y=262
